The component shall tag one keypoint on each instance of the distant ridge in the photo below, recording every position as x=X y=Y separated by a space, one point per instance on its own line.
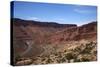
x=45 y=24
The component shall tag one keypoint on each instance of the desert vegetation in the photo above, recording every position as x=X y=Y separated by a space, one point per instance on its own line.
x=82 y=52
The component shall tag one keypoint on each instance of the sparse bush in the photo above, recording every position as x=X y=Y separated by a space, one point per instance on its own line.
x=88 y=48
x=81 y=53
x=77 y=60
x=84 y=59
x=62 y=59
x=48 y=60
x=43 y=59
x=69 y=56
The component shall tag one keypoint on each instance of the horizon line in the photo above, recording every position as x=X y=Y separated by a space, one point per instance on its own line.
x=55 y=21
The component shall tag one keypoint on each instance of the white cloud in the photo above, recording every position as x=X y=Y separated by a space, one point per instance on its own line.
x=32 y=18
x=83 y=11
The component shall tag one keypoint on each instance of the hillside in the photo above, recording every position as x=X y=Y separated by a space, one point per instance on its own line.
x=35 y=39
x=86 y=32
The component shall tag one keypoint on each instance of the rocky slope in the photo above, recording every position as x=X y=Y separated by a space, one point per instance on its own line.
x=28 y=35
x=86 y=32
x=34 y=38
x=38 y=31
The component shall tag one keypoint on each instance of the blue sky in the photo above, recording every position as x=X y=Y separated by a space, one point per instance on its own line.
x=61 y=13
